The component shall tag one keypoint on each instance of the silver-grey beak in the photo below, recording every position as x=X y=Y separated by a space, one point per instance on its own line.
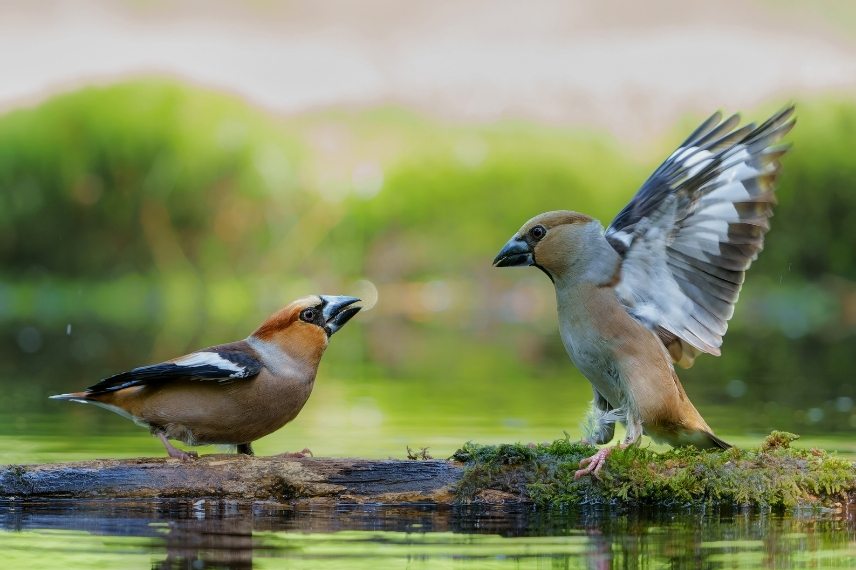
x=515 y=253
x=337 y=311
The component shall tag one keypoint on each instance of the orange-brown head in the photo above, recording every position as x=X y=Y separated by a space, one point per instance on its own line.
x=552 y=241
x=303 y=328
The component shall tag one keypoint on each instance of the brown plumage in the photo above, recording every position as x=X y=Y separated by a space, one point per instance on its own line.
x=231 y=393
x=659 y=285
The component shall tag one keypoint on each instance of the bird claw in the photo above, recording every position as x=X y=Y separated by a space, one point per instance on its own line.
x=298 y=454
x=592 y=465
x=174 y=452
x=183 y=455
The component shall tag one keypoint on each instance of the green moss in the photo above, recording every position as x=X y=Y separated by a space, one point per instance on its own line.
x=774 y=476
x=778 y=440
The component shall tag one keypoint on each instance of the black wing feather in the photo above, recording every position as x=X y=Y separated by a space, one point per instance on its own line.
x=240 y=355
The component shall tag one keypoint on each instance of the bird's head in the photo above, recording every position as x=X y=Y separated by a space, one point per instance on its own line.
x=303 y=328
x=552 y=242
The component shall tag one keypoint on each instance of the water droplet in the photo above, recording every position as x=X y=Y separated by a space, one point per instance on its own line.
x=367 y=291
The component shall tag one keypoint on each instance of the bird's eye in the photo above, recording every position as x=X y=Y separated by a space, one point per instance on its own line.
x=538 y=232
x=307 y=315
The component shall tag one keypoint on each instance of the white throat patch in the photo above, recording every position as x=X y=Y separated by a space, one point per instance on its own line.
x=277 y=360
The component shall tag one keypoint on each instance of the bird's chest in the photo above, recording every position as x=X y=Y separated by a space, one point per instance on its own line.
x=595 y=357
x=593 y=348
x=276 y=401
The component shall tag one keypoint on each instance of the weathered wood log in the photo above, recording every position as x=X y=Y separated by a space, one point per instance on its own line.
x=239 y=477
x=776 y=475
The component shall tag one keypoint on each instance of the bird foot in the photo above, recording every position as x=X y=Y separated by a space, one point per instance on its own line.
x=174 y=452
x=298 y=454
x=592 y=465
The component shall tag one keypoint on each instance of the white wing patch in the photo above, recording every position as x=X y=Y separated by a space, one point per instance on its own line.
x=211 y=359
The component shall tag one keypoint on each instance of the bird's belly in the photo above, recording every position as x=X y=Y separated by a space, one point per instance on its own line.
x=204 y=413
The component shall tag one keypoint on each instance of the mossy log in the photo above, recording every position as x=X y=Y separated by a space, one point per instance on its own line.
x=774 y=476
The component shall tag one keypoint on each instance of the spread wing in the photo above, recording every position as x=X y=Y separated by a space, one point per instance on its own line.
x=690 y=233
x=224 y=363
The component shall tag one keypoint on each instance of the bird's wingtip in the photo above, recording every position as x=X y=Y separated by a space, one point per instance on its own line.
x=70 y=396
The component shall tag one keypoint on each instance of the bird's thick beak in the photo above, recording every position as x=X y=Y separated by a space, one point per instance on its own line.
x=337 y=311
x=515 y=253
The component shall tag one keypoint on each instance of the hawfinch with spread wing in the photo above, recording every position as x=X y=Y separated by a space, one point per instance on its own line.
x=659 y=285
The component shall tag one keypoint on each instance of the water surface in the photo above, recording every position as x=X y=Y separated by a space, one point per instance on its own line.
x=213 y=534
x=361 y=409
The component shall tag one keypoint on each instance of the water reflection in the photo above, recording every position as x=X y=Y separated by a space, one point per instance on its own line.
x=217 y=543
x=230 y=534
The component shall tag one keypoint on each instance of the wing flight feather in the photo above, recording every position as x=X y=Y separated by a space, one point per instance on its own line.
x=695 y=226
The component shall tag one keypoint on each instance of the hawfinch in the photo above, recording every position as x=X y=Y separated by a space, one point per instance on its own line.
x=231 y=393
x=659 y=285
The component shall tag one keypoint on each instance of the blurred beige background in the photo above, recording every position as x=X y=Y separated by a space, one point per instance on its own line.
x=629 y=67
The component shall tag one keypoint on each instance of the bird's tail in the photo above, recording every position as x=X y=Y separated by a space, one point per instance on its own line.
x=96 y=399
x=714 y=442
x=701 y=438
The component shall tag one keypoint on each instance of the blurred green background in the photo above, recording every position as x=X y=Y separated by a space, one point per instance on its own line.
x=173 y=172
x=148 y=218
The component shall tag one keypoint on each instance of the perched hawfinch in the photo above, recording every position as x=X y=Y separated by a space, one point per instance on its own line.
x=231 y=393
x=659 y=285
